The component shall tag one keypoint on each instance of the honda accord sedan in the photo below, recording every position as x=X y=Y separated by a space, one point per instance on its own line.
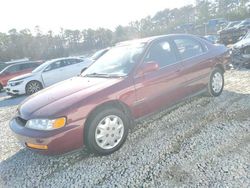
x=132 y=80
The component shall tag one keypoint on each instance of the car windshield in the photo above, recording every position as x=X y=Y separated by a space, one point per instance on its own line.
x=98 y=54
x=42 y=66
x=118 y=61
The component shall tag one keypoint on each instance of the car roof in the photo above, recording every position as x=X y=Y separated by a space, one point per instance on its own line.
x=17 y=61
x=9 y=63
x=137 y=41
x=150 y=39
x=48 y=62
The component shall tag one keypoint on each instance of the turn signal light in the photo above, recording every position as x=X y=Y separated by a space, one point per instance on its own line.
x=58 y=123
x=37 y=146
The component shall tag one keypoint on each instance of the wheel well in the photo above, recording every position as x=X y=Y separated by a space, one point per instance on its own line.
x=219 y=66
x=117 y=104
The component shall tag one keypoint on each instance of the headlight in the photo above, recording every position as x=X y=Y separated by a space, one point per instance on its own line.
x=46 y=124
x=15 y=83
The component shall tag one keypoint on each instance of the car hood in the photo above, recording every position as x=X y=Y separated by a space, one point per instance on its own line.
x=23 y=76
x=86 y=85
x=242 y=43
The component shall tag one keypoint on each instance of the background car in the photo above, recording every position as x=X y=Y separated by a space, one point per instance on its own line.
x=14 y=70
x=12 y=62
x=132 y=80
x=45 y=75
x=232 y=34
x=241 y=52
x=212 y=38
x=230 y=25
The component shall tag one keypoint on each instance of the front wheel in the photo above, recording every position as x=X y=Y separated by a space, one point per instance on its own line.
x=106 y=131
x=33 y=87
x=216 y=83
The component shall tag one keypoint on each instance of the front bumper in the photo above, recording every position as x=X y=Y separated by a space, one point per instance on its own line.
x=15 y=90
x=58 y=141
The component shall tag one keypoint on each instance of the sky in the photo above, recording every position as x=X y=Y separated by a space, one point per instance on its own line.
x=78 y=14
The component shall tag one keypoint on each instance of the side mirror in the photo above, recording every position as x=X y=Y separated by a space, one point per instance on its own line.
x=148 y=67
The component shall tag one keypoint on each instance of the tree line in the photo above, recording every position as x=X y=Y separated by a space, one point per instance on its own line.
x=38 y=45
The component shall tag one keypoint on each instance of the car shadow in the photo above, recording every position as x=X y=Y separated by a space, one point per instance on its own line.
x=36 y=163
x=8 y=101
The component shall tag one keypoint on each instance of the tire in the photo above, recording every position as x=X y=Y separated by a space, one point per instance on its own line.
x=216 y=83
x=1 y=87
x=33 y=87
x=101 y=135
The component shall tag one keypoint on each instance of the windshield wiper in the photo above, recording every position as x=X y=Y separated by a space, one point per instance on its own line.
x=104 y=75
x=98 y=75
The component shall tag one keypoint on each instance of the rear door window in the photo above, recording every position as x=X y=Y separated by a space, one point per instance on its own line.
x=26 y=66
x=55 y=65
x=74 y=61
x=64 y=63
x=188 y=48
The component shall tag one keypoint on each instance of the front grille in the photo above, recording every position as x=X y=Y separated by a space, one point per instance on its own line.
x=21 y=121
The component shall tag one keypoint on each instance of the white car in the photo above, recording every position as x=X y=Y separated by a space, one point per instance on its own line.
x=45 y=75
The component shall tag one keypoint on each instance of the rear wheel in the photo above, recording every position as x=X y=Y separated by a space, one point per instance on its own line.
x=33 y=87
x=106 y=131
x=216 y=83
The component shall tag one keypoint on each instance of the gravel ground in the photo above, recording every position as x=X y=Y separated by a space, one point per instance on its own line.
x=204 y=142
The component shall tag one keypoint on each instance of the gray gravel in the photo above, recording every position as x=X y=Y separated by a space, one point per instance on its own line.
x=204 y=142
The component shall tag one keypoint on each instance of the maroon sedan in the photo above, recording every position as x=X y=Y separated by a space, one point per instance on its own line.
x=132 y=80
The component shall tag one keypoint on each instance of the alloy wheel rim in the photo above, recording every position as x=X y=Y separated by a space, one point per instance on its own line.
x=33 y=87
x=109 y=132
x=217 y=82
